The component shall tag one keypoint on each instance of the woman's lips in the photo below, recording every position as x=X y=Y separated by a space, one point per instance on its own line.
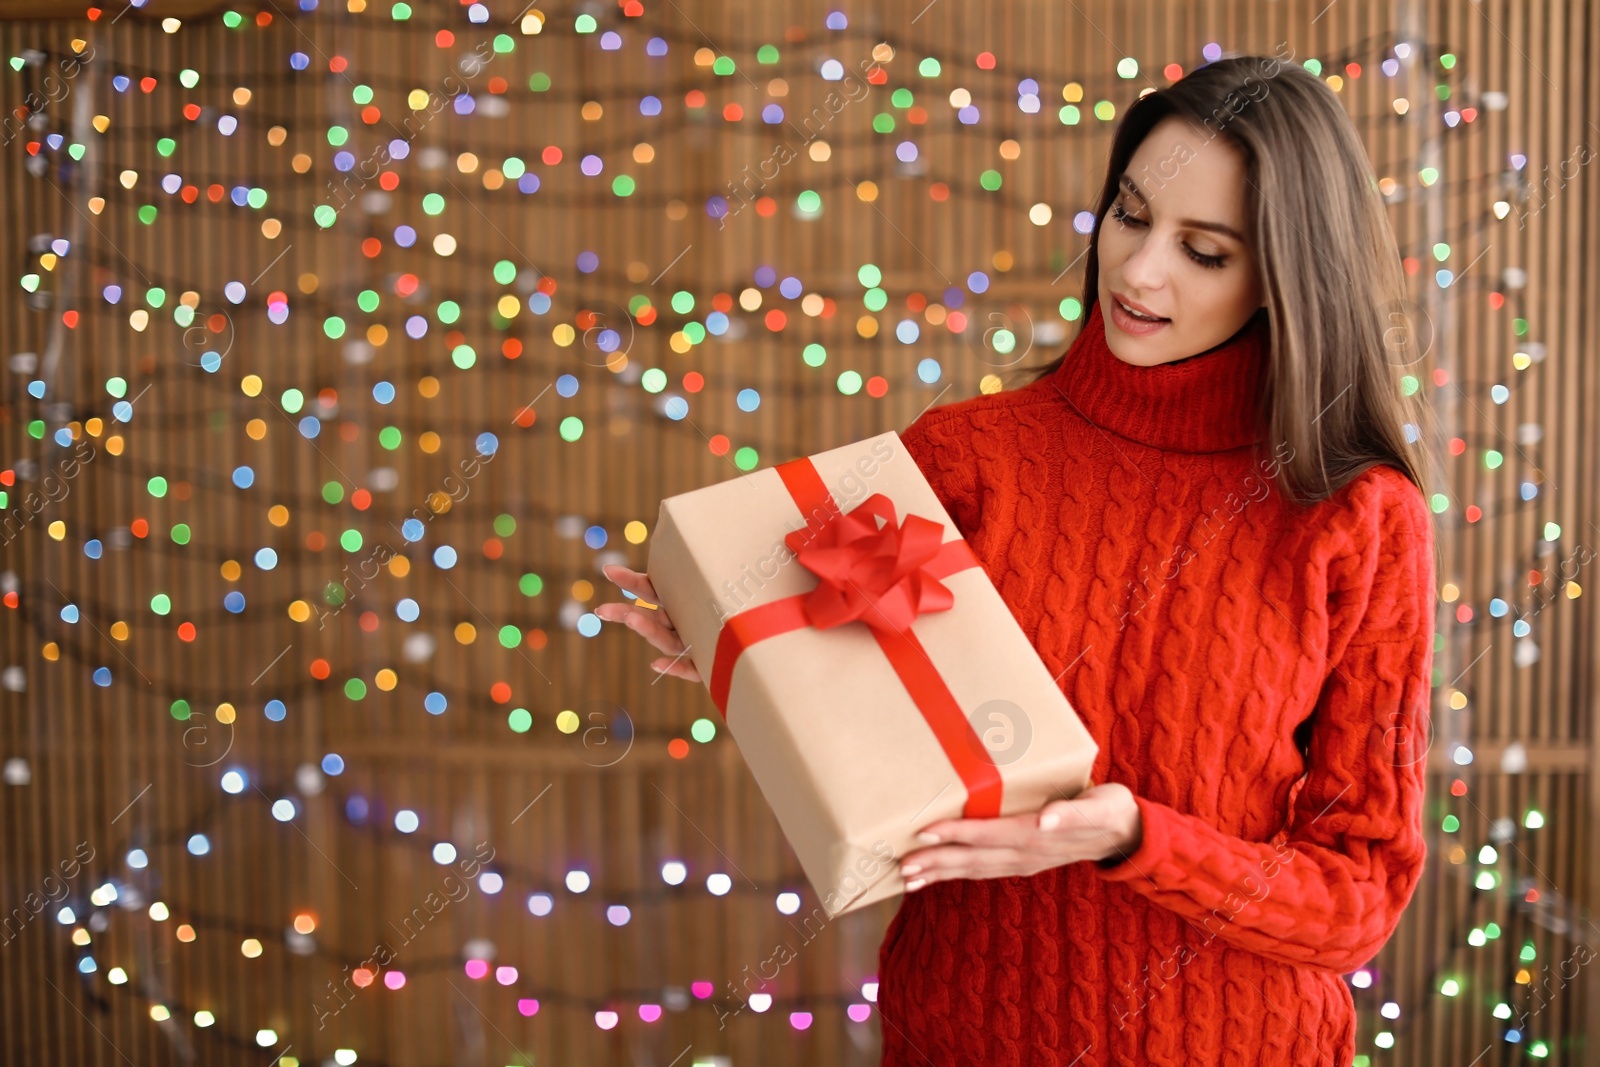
x=1130 y=325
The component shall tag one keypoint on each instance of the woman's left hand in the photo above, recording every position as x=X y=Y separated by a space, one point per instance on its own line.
x=1101 y=822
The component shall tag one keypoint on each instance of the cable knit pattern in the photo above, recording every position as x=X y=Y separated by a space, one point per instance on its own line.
x=1257 y=673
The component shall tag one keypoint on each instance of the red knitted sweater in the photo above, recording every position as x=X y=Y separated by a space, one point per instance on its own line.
x=1257 y=673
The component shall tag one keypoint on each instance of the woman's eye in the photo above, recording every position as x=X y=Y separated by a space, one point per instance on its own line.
x=1123 y=217
x=1207 y=261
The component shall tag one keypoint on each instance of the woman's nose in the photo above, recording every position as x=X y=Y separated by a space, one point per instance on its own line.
x=1143 y=269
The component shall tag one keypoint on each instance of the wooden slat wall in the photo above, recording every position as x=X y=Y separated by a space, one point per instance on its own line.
x=111 y=768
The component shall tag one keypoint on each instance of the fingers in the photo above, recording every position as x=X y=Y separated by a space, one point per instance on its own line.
x=1006 y=831
x=641 y=622
x=651 y=624
x=637 y=583
x=1059 y=812
x=679 y=667
x=959 y=861
x=1061 y=832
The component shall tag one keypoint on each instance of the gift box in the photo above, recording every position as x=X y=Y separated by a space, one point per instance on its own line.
x=869 y=671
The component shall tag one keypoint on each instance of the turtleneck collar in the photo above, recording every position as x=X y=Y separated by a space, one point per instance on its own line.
x=1210 y=402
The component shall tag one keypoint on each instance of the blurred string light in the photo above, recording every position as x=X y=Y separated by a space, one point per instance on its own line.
x=345 y=312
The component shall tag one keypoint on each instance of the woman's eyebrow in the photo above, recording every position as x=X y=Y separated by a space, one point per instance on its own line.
x=1193 y=224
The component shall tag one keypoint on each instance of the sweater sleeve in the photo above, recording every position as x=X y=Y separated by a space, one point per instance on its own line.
x=939 y=441
x=1329 y=888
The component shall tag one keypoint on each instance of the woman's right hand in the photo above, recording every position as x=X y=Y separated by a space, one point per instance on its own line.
x=653 y=625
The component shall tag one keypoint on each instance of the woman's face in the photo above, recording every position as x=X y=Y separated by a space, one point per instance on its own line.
x=1174 y=245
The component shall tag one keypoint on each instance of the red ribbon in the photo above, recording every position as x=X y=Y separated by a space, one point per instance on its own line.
x=883 y=576
x=872 y=573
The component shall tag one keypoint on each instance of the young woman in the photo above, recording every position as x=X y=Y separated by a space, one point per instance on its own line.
x=1209 y=517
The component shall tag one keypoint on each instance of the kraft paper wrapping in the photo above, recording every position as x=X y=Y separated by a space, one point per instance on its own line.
x=835 y=742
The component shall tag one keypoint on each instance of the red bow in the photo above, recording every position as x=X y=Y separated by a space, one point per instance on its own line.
x=885 y=577
x=877 y=574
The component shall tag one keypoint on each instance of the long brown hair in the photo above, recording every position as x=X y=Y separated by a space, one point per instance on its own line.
x=1342 y=329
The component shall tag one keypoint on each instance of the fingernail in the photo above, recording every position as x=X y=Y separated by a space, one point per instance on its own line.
x=1049 y=821
x=912 y=887
x=931 y=839
x=909 y=869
